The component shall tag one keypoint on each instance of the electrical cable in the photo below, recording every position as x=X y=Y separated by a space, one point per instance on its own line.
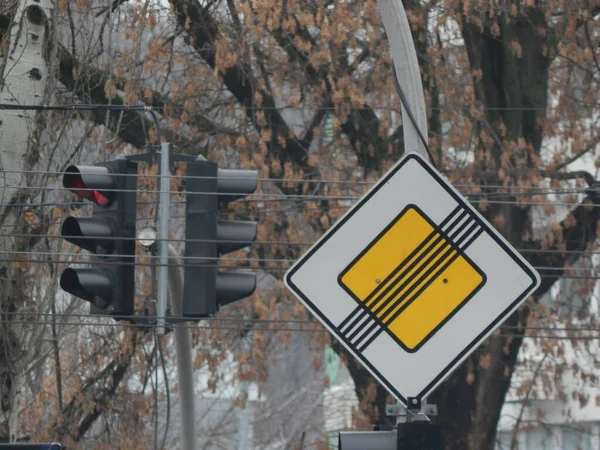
x=295 y=196
x=244 y=322
x=279 y=329
x=248 y=268
x=300 y=181
x=101 y=261
x=412 y=118
x=446 y=107
x=266 y=199
x=254 y=244
x=87 y=107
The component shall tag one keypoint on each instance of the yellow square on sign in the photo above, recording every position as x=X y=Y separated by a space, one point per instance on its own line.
x=410 y=280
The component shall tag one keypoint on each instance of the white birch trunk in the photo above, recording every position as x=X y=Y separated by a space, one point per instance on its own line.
x=24 y=83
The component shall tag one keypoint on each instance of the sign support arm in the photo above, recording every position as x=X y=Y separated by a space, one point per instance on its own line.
x=408 y=75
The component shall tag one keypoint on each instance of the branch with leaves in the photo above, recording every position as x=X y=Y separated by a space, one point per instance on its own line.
x=260 y=107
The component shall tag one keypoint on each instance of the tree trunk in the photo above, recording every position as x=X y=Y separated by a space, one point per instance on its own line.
x=513 y=88
x=23 y=82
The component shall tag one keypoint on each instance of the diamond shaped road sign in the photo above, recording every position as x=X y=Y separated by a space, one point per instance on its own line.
x=412 y=279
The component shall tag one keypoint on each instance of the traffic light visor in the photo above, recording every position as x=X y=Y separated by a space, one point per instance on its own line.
x=90 y=233
x=90 y=182
x=235 y=184
x=93 y=285
x=232 y=286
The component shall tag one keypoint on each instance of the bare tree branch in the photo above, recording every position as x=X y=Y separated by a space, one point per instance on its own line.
x=202 y=31
x=78 y=417
x=131 y=126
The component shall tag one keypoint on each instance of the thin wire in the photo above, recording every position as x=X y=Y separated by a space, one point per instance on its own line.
x=244 y=268
x=250 y=321
x=409 y=112
x=289 y=180
x=509 y=189
x=245 y=323
x=106 y=258
x=152 y=326
x=276 y=198
x=88 y=107
x=259 y=243
x=316 y=327
x=268 y=195
x=255 y=243
x=211 y=319
x=472 y=201
x=251 y=215
x=448 y=107
x=283 y=329
x=262 y=211
x=538 y=328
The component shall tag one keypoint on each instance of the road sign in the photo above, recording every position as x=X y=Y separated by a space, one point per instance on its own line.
x=412 y=279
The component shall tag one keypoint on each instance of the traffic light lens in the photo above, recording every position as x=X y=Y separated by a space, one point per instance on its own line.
x=95 y=183
x=92 y=285
x=80 y=188
x=90 y=233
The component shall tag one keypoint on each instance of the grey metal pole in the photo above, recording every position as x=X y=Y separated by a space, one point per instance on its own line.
x=372 y=440
x=408 y=74
x=404 y=55
x=243 y=421
x=163 y=235
x=183 y=348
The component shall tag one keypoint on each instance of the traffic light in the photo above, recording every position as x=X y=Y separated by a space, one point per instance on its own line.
x=208 y=189
x=110 y=234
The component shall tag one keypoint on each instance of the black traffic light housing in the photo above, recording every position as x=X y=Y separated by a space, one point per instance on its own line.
x=109 y=285
x=207 y=237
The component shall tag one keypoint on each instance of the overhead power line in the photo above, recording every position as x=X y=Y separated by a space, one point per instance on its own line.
x=89 y=323
x=275 y=198
x=531 y=191
x=272 y=243
x=267 y=267
x=301 y=181
x=244 y=322
x=225 y=259
x=87 y=107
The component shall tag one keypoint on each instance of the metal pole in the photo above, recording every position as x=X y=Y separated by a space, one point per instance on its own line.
x=372 y=440
x=404 y=55
x=163 y=235
x=243 y=425
x=183 y=348
x=408 y=75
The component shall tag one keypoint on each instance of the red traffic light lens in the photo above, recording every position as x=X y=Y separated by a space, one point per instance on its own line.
x=94 y=183
x=81 y=189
